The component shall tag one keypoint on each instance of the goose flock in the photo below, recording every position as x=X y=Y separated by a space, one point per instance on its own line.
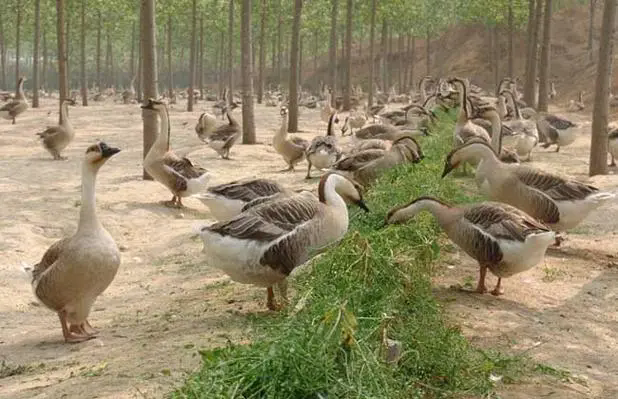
x=265 y=230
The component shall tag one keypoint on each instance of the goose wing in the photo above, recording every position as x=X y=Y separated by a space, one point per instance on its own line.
x=556 y=187
x=50 y=132
x=372 y=131
x=356 y=161
x=327 y=142
x=559 y=123
x=49 y=258
x=300 y=143
x=613 y=134
x=247 y=190
x=183 y=166
x=10 y=106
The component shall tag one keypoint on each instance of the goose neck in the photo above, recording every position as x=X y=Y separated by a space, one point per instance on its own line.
x=20 y=91
x=496 y=132
x=443 y=213
x=87 y=215
x=283 y=131
x=328 y=193
x=64 y=114
x=163 y=139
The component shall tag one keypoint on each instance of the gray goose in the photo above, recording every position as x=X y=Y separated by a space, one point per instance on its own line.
x=18 y=106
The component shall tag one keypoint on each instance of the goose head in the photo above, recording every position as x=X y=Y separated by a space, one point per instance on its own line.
x=284 y=110
x=154 y=105
x=97 y=154
x=474 y=149
x=349 y=190
x=405 y=212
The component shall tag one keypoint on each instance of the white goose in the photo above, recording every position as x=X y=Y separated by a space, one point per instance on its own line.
x=264 y=244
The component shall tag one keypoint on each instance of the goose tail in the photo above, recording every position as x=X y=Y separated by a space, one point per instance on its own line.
x=198 y=184
x=601 y=197
x=27 y=270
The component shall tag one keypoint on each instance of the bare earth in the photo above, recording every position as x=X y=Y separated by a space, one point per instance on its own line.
x=165 y=303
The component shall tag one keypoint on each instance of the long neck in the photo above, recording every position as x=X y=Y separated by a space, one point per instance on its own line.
x=496 y=131
x=64 y=111
x=329 y=195
x=463 y=106
x=329 y=131
x=480 y=152
x=422 y=88
x=87 y=214
x=514 y=105
x=163 y=140
x=444 y=214
x=20 y=90
x=283 y=131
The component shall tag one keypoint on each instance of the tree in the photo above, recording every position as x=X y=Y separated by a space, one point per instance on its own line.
x=293 y=119
x=510 y=45
x=82 y=69
x=170 y=72
x=248 y=122
x=348 y=58
x=591 y=26
x=17 y=43
x=149 y=73
x=99 y=31
x=63 y=83
x=545 y=59
x=598 y=144
x=530 y=87
x=262 y=57
x=371 y=52
x=230 y=51
x=332 y=50
x=2 y=52
x=192 y=57
x=35 y=54
x=529 y=39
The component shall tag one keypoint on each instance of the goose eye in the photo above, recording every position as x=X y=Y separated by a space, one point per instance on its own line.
x=92 y=148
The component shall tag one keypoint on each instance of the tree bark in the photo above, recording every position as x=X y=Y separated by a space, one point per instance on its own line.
x=149 y=65
x=412 y=61
x=262 y=58
x=82 y=70
x=63 y=84
x=279 y=43
x=400 y=55
x=428 y=53
x=132 y=59
x=530 y=88
x=389 y=59
x=222 y=63
x=293 y=119
x=2 y=53
x=510 y=67
x=45 y=58
x=332 y=50
x=529 y=39
x=201 y=68
x=591 y=24
x=372 y=34
x=300 y=62
x=406 y=63
x=192 y=57
x=598 y=144
x=383 y=56
x=170 y=72
x=35 y=55
x=99 y=29
x=230 y=51
x=17 y=42
x=68 y=47
x=496 y=54
x=140 y=60
x=348 y=57
x=315 y=51
x=248 y=121
x=545 y=59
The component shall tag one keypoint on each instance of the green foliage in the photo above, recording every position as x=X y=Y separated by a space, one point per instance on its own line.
x=375 y=283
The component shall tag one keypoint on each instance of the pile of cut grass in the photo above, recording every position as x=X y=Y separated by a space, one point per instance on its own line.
x=373 y=286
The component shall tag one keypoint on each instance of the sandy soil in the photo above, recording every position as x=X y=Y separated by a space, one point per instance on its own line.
x=165 y=304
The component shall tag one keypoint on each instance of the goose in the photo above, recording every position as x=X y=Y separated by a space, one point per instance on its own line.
x=421 y=96
x=370 y=144
x=526 y=131
x=555 y=130
x=374 y=110
x=502 y=107
x=464 y=128
x=223 y=138
x=291 y=149
x=612 y=144
x=323 y=151
x=13 y=109
x=227 y=200
x=498 y=236
x=205 y=126
x=385 y=132
x=57 y=138
x=76 y=270
x=178 y=174
x=356 y=120
x=489 y=112
x=264 y=244
x=552 y=90
x=561 y=203
x=577 y=105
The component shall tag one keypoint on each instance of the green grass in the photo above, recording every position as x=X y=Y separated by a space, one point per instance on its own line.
x=374 y=284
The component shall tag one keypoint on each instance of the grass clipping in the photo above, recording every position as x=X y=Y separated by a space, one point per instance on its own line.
x=369 y=326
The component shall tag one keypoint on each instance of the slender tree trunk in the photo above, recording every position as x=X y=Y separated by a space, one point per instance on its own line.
x=192 y=57
x=35 y=55
x=529 y=38
x=112 y=75
x=170 y=72
x=332 y=50
x=2 y=52
x=82 y=71
x=230 y=51
x=496 y=54
x=406 y=64
x=248 y=121
x=530 y=88
x=300 y=63
x=293 y=120
x=593 y=4
x=545 y=58
x=315 y=51
x=341 y=59
x=383 y=55
x=598 y=144
x=132 y=59
x=68 y=47
x=45 y=58
x=63 y=84
x=279 y=44
x=260 y=86
x=201 y=69
x=428 y=55
x=412 y=62
x=348 y=57
x=140 y=59
x=510 y=67
x=400 y=63
x=222 y=58
x=149 y=65
x=361 y=37
x=389 y=59
x=99 y=28
x=17 y=44
x=273 y=59
x=372 y=34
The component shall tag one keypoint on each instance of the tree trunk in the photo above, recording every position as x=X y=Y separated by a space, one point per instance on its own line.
x=530 y=88
x=221 y=63
x=262 y=58
x=598 y=144
x=591 y=24
x=529 y=40
x=389 y=59
x=201 y=68
x=230 y=51
x=274 y=59
x=428 y=55
x=300 y=63
x=348 y=57
x=279 y=43
x=383 y=61
x=412 y=61
x=248 y=121
x=35 y=55
x=17 y=46
x=45 y=58
x=372 y=34
x=510 y=67
x=192 y=57
x=400 y=54
x=68 y=48
x=132 y=59
x=140 y=60
x=496 y=54
x=63 y=84
x=2 y=53
x=99 y=28
x=315 y=51
x=149 y=65
x=545 y=58
x=406 y=64
x=341 y=60
x=82 y=70
x=170 y=72
x=332 y=51
x=293 y=120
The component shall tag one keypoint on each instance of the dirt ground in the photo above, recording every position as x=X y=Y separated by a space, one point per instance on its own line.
x=165 y=303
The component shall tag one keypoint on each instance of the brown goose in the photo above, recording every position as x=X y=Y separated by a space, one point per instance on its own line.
x=57 y=138
x=292 y=149
x=13 y=109
x=323 y=151
x=225 y=136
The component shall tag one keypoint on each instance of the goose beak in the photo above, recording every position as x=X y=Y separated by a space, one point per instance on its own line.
x=447 y=169
x=148 y=105
x=361 y=204
x=107 y=151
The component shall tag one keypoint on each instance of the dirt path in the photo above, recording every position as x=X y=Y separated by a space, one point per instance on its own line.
x=165 y=304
